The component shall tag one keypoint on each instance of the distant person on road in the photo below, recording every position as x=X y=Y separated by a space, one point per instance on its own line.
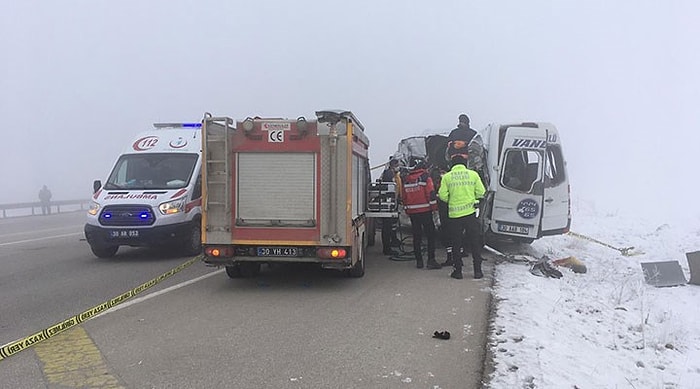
x=45 y=199
x=461 y=188
x=419 y=202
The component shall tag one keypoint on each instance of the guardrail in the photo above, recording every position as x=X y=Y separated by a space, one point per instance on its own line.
x=35 y=207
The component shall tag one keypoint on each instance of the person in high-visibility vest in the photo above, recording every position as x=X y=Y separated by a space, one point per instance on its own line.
x=419 y=202
x=461 y=188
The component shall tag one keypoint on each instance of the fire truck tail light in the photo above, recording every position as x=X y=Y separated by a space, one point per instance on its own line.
x=332 y=253
x=218 y=251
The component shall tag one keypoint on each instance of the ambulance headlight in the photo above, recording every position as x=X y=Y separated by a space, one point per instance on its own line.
x=248 y=125
x=94 y=208
x=172 y=207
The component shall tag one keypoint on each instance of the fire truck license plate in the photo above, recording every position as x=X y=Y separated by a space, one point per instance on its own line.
x=513 y=229
x=277 y=251
x=119 y=234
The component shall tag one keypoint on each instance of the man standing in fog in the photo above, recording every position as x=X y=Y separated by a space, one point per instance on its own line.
x=458 y=140
x=45 y=199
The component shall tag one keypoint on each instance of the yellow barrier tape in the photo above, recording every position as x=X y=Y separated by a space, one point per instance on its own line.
x=15 y=347
x=626 y=251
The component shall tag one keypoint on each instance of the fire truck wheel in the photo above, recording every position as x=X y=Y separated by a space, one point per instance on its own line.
x=192 y=244
x=371 y=231
x=233 y=271
x=104 y=251
x=358 y=270
x=249 y=269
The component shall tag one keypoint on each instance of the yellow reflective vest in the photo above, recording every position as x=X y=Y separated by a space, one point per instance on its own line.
x=460 y=188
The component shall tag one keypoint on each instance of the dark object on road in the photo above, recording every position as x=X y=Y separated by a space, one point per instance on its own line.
x=543 y=268
x=441 y=335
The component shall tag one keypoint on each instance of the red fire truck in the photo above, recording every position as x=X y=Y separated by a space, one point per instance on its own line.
x=280 y=190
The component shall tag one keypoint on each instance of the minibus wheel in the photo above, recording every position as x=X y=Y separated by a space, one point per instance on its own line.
x=104 y=251
x=193 y=241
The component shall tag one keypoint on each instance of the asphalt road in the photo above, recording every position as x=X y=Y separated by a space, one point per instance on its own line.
x=291 y=327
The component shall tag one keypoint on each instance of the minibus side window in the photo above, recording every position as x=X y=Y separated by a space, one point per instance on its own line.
x=520 y=170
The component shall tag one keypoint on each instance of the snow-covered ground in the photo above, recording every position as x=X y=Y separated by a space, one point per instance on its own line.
x=606 y=328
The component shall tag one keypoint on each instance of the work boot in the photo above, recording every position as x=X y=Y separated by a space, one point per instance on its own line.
x=456 y=273
x=449 y=261
x=419 y=263
x=477 y=270
x=432 y=264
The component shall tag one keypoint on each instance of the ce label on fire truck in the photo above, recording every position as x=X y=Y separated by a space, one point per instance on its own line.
x=275 y=131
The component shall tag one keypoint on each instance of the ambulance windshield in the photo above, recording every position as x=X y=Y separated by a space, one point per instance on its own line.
x=152 y=171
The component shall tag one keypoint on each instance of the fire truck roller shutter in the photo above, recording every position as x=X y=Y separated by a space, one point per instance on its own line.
x=276 y=188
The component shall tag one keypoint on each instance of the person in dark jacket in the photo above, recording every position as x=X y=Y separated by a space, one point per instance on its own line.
x=463 y=131
x=419 y=202
x=391 y=169
x=389 y=235
x=459 y=138
x=457 y=145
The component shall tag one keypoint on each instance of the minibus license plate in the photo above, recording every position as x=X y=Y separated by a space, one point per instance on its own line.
x=120 y=234
x=513 y=229
x=277 y=251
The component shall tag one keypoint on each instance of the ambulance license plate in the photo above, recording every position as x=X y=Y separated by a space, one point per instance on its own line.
x=123 y=234
x=514 y=229
x=277 y=251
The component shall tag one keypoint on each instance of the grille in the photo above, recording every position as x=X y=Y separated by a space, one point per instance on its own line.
x=127 y=215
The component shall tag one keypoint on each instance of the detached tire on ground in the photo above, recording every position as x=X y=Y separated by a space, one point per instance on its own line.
x=104 y=251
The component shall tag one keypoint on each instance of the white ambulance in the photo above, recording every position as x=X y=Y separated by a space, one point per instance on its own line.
x=153 y=195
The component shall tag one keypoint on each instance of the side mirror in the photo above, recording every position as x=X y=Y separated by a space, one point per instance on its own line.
x=96 y=185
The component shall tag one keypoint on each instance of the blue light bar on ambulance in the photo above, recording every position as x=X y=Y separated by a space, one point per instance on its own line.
x=177 y=125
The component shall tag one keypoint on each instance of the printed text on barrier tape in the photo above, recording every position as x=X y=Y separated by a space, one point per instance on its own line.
x=626 y=251
x=593 y=240
x=13 y=348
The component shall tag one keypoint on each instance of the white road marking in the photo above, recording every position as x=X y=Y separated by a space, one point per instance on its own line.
x=38 y=239
x=158 y=293
x=38 y=231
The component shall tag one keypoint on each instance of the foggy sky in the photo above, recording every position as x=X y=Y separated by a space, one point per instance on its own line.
x=620 y=80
